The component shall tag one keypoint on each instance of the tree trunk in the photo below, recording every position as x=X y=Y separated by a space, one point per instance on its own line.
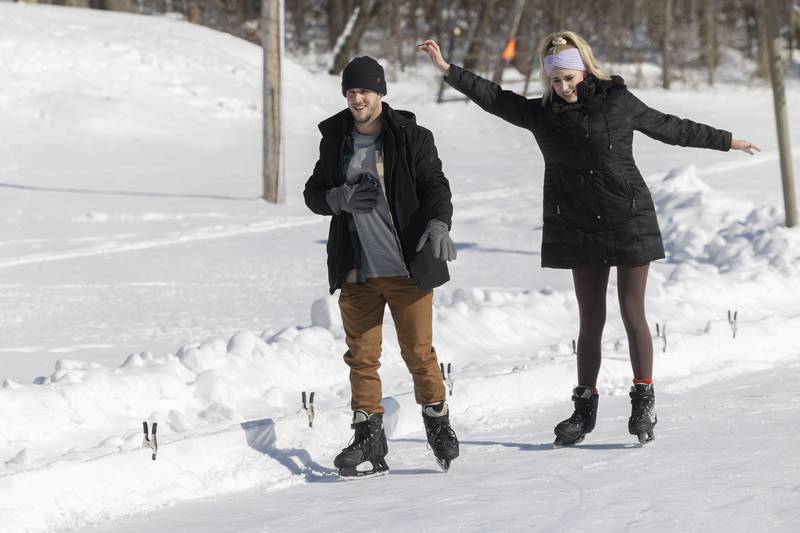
x=415 y=4
x=519 y=6
x=526 y=47
x=338 y=13
x=392 y=44
x=194 y=13
x=299 y=23
x=478 y=41
x=434 y=18
x=386 y=40
x=397 y=35
x=557 y=15
x=367 y=11
x=795 y=30
x=711 y=39
x=666 y=29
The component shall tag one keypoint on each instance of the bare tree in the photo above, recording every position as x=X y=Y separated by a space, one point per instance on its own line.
x=367 y=10
x=478 y=41
x=397 y=35
x=526 y=45
x=414 y=6
x=794 y=16
x=298 y=14
x=516 y=18
x=338 y=12
x=666 y=30
x=392 y=41
x=433 y=15
x=711 y=38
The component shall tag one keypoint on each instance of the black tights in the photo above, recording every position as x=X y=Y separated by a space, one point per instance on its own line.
x=590 y=289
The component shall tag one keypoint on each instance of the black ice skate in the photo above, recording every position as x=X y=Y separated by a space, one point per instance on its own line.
x=368 y=445
x=441 y=437
x=643 y=412
x=574 y=429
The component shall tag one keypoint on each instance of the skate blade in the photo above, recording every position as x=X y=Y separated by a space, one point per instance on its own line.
x=379 y=468
x=444 y=464
x=646 y=437
x=346 y=475
x=561 y=443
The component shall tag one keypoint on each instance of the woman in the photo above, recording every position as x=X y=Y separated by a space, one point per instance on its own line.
x=598 y=212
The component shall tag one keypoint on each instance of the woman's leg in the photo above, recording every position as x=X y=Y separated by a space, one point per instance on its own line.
x=590 y=290
x=631 y=283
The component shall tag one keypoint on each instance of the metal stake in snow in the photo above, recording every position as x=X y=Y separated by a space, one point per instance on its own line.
x=732 y=321
x=309 y=408
x=776 y=67
x=447 y=377
x=661 y=333
x=147 y=442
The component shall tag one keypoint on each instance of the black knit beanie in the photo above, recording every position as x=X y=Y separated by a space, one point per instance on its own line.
x=363 y=73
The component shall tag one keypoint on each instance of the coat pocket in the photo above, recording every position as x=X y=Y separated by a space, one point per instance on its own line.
x=626 y=184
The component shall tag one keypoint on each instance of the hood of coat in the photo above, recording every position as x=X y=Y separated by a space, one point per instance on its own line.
x=591 y=93
x=342 y=122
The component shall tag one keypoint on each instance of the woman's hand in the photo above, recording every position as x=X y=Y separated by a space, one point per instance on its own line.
x=432 y=49
x=744 y=146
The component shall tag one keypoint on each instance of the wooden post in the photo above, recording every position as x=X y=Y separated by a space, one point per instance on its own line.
x=271 y=42
x=776 y=68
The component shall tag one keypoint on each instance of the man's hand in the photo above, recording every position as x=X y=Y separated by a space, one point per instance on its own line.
x=361 y=197
x=442 y=245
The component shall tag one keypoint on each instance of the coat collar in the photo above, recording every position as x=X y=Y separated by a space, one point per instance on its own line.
x=591 y=94
x=342 y=122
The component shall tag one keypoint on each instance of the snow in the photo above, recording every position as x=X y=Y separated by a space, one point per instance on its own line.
x=142 y=278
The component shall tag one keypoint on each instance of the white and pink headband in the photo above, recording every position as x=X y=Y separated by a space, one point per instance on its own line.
x=569 y=59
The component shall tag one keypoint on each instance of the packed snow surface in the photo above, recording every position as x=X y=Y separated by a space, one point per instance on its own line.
x=143 y=279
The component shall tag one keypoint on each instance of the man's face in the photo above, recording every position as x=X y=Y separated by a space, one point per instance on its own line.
x=365 y=105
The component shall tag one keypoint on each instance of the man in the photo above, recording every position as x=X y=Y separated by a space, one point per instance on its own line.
x=380 y=178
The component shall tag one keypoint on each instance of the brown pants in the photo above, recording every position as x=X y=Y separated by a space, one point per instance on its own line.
x=362 y=317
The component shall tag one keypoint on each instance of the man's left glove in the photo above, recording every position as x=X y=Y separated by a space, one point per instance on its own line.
x=442 y=245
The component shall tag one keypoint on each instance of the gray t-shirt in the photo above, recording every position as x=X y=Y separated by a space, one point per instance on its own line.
x=380 y=246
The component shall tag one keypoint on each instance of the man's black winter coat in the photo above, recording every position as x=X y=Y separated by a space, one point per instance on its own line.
x=416 y=191
x=597 y=208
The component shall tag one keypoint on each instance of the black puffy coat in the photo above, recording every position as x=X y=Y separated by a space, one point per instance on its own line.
x=416 y=191
x=597 y=208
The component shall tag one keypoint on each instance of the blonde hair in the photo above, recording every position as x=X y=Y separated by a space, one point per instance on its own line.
x=571 y=40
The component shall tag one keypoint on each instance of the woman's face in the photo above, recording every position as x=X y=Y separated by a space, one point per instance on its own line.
x=564 y=81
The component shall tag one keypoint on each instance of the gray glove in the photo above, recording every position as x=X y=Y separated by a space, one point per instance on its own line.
x=443 y=247
x=361 y=197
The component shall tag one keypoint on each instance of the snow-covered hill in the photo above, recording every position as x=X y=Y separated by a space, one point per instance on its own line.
x=141 y=278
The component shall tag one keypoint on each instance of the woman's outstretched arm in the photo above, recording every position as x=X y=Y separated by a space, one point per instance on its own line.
x=681 y=131
x=507 y=105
